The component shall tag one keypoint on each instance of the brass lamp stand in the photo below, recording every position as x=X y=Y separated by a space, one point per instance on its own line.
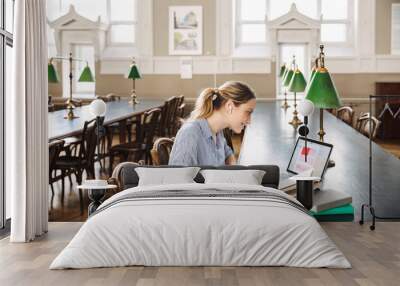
x=296 y=84
x=86 y=76
x=285 y=104
x=134 y=99
x=295 y=120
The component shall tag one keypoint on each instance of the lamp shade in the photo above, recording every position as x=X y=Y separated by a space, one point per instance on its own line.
x=306 y=107
x=282 y=71
x=86 y=75
x=288 y=77
x=322 y=91
x=298 y=82
x=52 y=74
x=98 y=107
x=134 y=72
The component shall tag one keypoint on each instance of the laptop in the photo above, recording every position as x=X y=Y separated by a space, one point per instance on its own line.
x=310 y=161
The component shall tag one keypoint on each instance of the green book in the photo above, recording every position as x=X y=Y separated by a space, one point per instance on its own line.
x=339 y=214
x=342 y=210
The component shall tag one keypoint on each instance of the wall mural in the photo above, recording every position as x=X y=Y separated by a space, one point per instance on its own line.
x=185 y=30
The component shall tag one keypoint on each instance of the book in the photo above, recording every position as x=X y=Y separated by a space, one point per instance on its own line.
x=339 y=214
x=329 y=199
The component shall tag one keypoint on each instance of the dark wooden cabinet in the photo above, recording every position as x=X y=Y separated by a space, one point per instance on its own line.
x=390 y=127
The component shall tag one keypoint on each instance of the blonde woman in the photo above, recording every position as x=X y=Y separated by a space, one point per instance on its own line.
x=200 y=141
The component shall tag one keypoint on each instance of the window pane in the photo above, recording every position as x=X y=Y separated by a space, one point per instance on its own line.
x=334 y=10
x=333 y=32
x=122 y=34
x=8 y=74
x=9 y=15
x=90 y=9
x=252 y=10
x=123 y=10
x=53 y=9
x=253 y=33
x=281 y=7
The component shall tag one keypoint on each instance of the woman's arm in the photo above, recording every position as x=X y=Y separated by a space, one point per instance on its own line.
x=231 y=160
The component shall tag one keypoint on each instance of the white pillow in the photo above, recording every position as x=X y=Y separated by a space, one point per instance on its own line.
x=248 y=177
x=165 y=176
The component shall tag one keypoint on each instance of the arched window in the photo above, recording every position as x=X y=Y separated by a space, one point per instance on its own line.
x=336 y=27
x=120 y=14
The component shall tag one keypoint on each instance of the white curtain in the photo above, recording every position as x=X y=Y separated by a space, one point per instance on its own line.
x=26 y=121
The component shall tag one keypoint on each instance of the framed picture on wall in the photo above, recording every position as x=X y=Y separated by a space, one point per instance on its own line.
x=185 y=30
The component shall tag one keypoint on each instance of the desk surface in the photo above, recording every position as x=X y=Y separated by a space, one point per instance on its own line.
x=270 y=140
x=116 y=111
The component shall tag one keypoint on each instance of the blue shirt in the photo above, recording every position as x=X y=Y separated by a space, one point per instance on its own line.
x=194 y=145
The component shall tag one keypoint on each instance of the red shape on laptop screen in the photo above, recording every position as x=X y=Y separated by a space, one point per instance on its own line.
x=305 y=151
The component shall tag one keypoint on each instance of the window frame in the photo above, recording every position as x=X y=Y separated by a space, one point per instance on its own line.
x=393 y=29
x=134 y=23
x=238 y=22
x=6 y=39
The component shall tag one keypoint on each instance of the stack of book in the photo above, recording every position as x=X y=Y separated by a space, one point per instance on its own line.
x=330 y=205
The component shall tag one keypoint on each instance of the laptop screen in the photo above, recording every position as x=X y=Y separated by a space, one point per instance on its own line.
x=317 y=158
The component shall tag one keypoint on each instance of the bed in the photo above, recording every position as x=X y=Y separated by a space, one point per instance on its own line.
x=198 y=224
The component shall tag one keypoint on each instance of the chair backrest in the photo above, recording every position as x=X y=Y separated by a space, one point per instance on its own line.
x=369 y=126
x=88 y=146
x=162 y=127
x=113 y=97
x=161 y=150
x=171 y=112
x=148 y=126
x=360 y=121
x=55 y=147
x=346 y=114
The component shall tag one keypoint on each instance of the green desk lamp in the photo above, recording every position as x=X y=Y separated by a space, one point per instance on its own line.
x=322 y=93
x=86 y=76
x=134 y=74
x=282 y=74
x=297 y=84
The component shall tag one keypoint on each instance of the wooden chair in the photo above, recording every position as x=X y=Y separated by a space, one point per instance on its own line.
x=346 y=114
x=162 y=127
x=179 y=120
x=368 y=126
x=359 y=120
x=55 y=148
x=144 y=140
x=109 y=97
x=161 y=150
x=173 y=104
x=81 y=158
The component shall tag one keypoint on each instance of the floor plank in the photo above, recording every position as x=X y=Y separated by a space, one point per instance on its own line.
x=374 y=255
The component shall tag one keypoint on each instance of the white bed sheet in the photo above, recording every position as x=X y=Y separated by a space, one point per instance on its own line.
x=200 y=232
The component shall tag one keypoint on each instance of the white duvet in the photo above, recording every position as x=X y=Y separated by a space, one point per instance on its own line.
x=192 y=231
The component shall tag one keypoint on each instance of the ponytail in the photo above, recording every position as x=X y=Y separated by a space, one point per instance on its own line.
x=212 y=99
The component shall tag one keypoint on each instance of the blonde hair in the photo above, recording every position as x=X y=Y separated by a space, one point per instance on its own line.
x=212 y=99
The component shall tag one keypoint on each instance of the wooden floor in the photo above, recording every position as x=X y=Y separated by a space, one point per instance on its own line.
x=375 y=257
